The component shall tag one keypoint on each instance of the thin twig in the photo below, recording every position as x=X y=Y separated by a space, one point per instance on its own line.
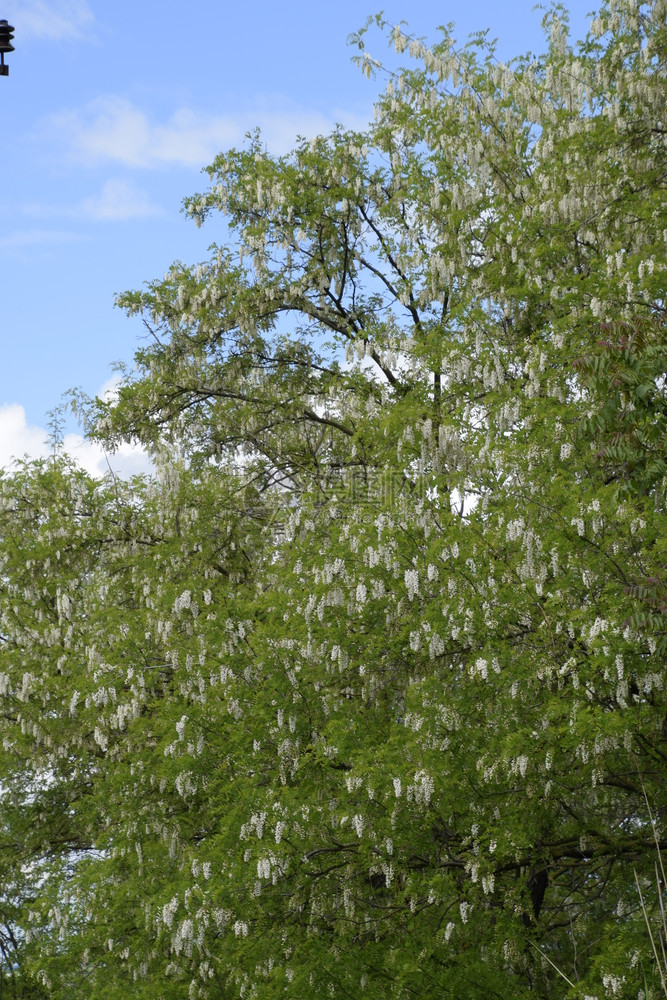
x=560 y=973
x=650 y=934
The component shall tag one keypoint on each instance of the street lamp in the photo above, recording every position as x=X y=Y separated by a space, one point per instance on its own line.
x=6 y=36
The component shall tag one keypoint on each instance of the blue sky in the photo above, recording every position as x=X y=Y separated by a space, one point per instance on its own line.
x=109 y=114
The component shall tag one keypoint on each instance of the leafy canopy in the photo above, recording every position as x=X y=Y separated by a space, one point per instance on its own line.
x=362 y=693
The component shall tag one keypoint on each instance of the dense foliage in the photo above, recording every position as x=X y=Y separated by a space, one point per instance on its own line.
x=362 y=694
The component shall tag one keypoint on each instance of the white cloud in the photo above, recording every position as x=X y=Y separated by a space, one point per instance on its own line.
x=114 y=130
x=128 y=460
x=109 y=391
x=19 y=439
x=55 y=20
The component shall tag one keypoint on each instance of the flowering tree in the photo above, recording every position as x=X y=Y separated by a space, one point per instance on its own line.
x=361 y=695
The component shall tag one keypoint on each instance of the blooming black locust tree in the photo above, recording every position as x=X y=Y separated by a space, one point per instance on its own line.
x=362 y=693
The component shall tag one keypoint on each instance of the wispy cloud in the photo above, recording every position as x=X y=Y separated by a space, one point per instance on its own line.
x=37 y=238
x=118 y=201
x=114 y=130
x=51 y=19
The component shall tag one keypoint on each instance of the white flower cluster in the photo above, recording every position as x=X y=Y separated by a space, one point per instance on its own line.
x=185 y=784
x=480 y=668
x=183 y=602
x=169 y=911
x=519 y=765
x=422 y=789
x=613 y=984
x=257 y=821
x=412 y=583
x=436 y=646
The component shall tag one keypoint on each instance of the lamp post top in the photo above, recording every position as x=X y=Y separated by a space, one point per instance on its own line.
x=6 y=36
